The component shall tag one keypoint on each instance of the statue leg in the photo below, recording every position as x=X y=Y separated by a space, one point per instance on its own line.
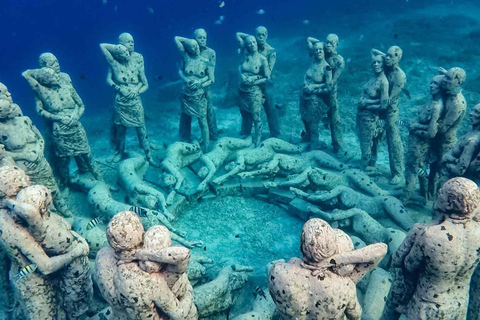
x=307 y=137
x=247 y=123
x=185 y=128
x=211 y=116
x=85 y=163
x=335 y=123
x=368 y=141
x=203 y=123
x=395 y=146
x=272 y=114
x=63 y=171
x=257 y=122
x=413 y=159
x=120 y=134
x=145 y=144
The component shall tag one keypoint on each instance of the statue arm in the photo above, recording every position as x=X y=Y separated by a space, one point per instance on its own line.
x=415 y=256
x=44 y=113
x=209 y=79
x=311 y=42
x=297 y=181
x=399 y=83
x=337 y=72
x=211 y=169
x=376 y=52
x=241 y=39
x=142 y=76
x=107 y=52
x=452 y=118
x=335 y=192
x=29 y=75
x=78 y=101
x=240 y=165
x=354 y=310
x=28 y=213
x=433 y=125
x=272 y=58
x=383 y=102
x=110 y=80
x=168 y=303
x=180 y=46
x=170 y=255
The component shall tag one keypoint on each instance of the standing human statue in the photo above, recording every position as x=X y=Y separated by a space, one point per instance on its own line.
x=337 y=63
x=422 y=132
x=200 y=35
x=21 y=141
x=197 y=73
x=265 y=49
x=374 y=99
x=59 y=104
x=254 y=73
x=434 y=265
x=126 y=75
x=396 y=81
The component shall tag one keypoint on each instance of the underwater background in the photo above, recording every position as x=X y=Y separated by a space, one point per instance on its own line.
x=432 y=33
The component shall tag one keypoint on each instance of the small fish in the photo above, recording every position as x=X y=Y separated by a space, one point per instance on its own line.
x=407 y=93
x=395 y=36
x=221 y=18
x=150 y=10
x=261 y=11
x=306 y=22
x=422 y=172
x=139 y=211
x=83 y=76
x=105 y=2
x=205 y=248
x=260 y=291
x=381 y=122
x=26 y=271
x=222 y=4
x=158 y=77
x=402 y=123
x=218 y=22
x=93 y=223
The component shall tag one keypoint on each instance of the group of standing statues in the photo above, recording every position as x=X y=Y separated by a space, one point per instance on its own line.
x=140 y=275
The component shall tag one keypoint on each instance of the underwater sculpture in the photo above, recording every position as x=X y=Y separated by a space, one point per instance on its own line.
x=131 y=172
x=225 y=149
x=60 y=105
x=198 y=74
x=396 y=82
x=322 y=285
x=422 y=132
x=337 y=64
x=263 y=308
x=435 y=263
x=21 y=140
x=125 y=235
x=126 y=75
x=178 y=156
x=76 y=288
x=314 y=99
x=200 y=35
x=219 y=295
x=252 y=157
x=463 y=158
x=378 y=206
x=254 y=74
x=474 y=302
x=374 y=98
x=34 y=290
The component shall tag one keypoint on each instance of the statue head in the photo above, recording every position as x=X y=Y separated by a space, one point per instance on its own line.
x=126 y=40
x=436 y=84
x=48 y=60
x=155 y=239
x=453 y=80
x=125 y=231
x=12 y=180
x=458 y=198
x=201 y=36
x=47 y=77
x=37 y=196
x=5 y=94
x=168 y=180
x=261 y=34
x=378 y=63
x=251 y=44
x=230 y=166
x=192 y=47
x=393 y=56
x=120 y=52
x=475 y=115
x=318 y=241
x=331 y=43
x=203 y=172
x=318 y=51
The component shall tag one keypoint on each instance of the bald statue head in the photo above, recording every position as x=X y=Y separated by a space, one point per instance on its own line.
x=5 y=94
x=393 y=56
x=331 y=43
x=201 y=36
x=318 y=241
x=454 y=79
x=48 y=60
x=12 y=180
x=125 y=232
x=126 y=39
x=156 y=238
x=261 y=34
x=458 y=198
x=37 y=196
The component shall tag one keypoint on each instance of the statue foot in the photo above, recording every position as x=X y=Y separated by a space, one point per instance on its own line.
x=397 y=179
x=372 y=171
x=115 y=157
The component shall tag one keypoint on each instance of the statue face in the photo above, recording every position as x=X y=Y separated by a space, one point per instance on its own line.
x=475 y=115
x=203 y=172
x=261 y=35
x=377 y=64
x=201 y=37
x=127 y=40
x=48 y=77
x=194 y=48
x=121 y=53
x=451 y=81
x=251 y=44
x=4 y=93
x=169 y=180
x=331 y=44
x=392 y=57
x=52 y=63
x=436 y=85
x=318 y=51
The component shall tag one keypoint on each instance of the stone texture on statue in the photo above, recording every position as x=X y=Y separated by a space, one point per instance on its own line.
x=219 y=295
x=322 y=285
x=374 y=98
x=263 y=308
x=197 y=269
x=198 y=74
x=461 y=158
x=60 y=105
x=75 y=285
x=21 y=140
x=435 y=263
x=314 y=99
x=254 y=74
x=95 y=236
x=474 y=302
x=422 y=132
x=126 y=75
